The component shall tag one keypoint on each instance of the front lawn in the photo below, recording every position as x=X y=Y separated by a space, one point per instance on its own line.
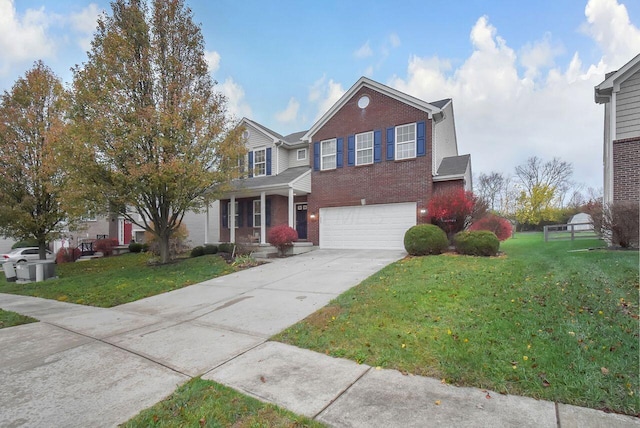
x=543 y=320
x=112 y=281
x=202 y=403
x=10 y=319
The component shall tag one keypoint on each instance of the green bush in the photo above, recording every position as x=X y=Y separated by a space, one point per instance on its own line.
x=210 y=249
x=25 y=243
x=425 y=239
x=476 y=243
x=226 y=247
x=197 y=251
x=135 y=247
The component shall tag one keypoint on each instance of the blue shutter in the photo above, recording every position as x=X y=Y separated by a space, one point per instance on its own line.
x=339 y=155
x=269 y=161
x=377 y=146
x=239 y=213
x=250 y=214
x=267 y=218
x=250 y=164
x=391 y=134
x=225 y=214
x=316 y=156
x=421 y=147
x=351 y=150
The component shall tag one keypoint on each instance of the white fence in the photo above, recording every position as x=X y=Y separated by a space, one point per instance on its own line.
x=570 y=231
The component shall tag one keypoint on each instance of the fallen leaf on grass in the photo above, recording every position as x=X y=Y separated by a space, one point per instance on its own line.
x=203 y=421
x=438 y=402
x=604 y=370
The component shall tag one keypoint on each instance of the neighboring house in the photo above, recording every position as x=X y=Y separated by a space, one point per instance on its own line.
x=620 y=94
x=359 y=178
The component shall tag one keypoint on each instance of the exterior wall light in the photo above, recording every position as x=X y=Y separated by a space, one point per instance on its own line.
x=312 y=216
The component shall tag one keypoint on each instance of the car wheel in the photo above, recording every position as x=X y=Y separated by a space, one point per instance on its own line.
x=21 y=261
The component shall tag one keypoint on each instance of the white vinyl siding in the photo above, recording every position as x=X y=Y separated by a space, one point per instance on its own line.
x=328 y=154
x=406 y=141
x=366 y=226
x=364 y=148
x=628 y=108
x=260 y=162
x=301 y=154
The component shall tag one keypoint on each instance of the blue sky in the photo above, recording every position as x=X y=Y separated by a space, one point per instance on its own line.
x=521 y=74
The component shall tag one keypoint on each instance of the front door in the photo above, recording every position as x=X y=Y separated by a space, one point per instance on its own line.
x=301 y=220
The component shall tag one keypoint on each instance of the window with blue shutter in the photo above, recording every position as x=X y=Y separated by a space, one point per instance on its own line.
x=339 y=156
x=316 y=156
x=391 y=133
x=351 y=150
x=269 y=161
x=421 y=146
x=225 y=214
x=239 y=213
x=250 y=164
x=377 y=146
x=250 y=214
x=267 y=218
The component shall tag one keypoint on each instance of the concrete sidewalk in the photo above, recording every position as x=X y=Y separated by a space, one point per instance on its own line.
x=85 y=366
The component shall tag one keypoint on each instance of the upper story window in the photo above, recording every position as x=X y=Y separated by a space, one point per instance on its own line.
x=328 y=154
x=260 y=162
x=364 y=148
x=406 y=141
x=301 y=154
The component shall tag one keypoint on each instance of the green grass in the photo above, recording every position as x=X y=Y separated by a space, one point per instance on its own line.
x=11 y=319
x=112 y=281
x=541 y=321
x=202 y=403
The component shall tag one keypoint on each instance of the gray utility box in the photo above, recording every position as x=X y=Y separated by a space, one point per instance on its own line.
x=36 y=271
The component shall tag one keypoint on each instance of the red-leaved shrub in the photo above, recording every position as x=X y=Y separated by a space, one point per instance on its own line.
x=105 y=246
x=282 y=237
x=453 y=210
x=496 y=224
x=67 y=255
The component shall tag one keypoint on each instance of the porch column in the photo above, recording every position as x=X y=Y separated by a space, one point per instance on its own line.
x=206 y=225
x=291 y=212
x=263 y=218
x=232 y=219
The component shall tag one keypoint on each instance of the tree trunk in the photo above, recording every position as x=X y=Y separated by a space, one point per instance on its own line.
x=164 y=248
x=42 y=249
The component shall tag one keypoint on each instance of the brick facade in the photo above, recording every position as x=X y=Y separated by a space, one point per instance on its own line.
x=388 y=181
x=626 y=170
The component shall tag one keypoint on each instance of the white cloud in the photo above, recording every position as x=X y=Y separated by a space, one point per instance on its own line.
x=290 y=113
x=394 y=39
x=503 y=117
x=609 y=25
x=363 y=51
x=23 y=38
x=85 y=23
x=325 y=94
x=237 y=107
x=213 y=59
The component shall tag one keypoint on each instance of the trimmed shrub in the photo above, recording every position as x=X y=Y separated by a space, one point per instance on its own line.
x=493 y=223
x=105 y=246
x=282 y=237
x=425 y=239
x=210 y=249
x=476 y=243
x=67 y=255
x=226 y=247
x=197 y=251
x=25 y=243
x=617 y=222
x=135 y=247
x=177 y=242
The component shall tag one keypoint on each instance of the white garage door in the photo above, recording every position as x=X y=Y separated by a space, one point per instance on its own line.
x=366 y=226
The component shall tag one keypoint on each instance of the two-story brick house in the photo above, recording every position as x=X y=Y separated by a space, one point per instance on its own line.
x=359 y=178
x=620 y=94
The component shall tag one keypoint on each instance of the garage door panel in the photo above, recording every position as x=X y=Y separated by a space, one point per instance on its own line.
x=368 y=226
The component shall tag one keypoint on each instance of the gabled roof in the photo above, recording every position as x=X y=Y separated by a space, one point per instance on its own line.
x=379 y=87
x=441 y=103
x=264 y=129
x=453 y=166
x=293 y=139
x=614 y=79
x=271 y=181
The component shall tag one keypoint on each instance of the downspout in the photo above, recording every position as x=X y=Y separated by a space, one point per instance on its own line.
x=612 y=137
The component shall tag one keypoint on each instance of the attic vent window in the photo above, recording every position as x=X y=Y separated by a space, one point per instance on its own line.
x=363 y=102
x=246 y=134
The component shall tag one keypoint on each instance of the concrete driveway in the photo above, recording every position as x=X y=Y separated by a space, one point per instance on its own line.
x=84 y=366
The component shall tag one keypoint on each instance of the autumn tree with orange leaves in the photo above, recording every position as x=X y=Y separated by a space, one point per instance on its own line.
x=32 y=134
x=152 y=136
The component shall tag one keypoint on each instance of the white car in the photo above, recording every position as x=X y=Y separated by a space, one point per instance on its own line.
x=23 y=255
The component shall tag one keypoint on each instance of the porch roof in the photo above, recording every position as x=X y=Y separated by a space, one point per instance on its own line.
x=273 y=184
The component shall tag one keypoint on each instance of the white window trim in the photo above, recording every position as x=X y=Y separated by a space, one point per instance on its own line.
x=255 y=164
x=415 y=142
x=334 y=154
x=363 y=150
x=237 y=216
x=304 y=154
x=256 y=220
